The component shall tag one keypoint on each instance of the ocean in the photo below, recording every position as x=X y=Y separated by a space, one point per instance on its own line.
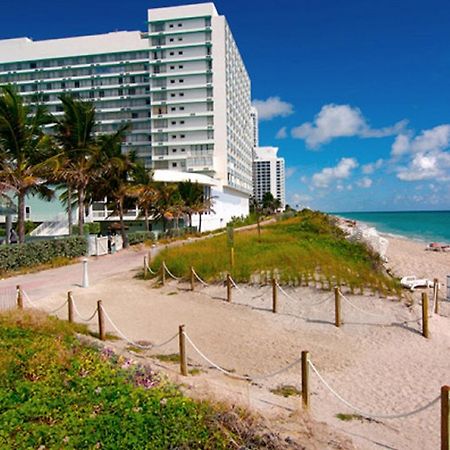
x=428 y=226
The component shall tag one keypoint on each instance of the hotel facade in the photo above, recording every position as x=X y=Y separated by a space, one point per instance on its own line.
x=182 y=85
x=269 y=174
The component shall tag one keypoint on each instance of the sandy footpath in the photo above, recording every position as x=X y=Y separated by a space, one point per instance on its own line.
x=378 y=360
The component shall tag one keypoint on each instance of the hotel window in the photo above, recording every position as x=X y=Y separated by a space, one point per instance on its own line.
x=172 y=53
x=174 y=164
x=182 y=122
x=180 y=38
x=171 y=39
x=172 y=67
x=181 y=81
x=173 y=108
x=181 y=108
x=181 y=94
x=180 y=52
x=173 y=123
x=172 y=94
x=180 y=67
x=171 y=25
x=180 y=24
x=182 y=136
x=172 y=81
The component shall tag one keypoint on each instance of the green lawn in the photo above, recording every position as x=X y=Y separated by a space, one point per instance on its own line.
x=57 y=393
x=296 y=249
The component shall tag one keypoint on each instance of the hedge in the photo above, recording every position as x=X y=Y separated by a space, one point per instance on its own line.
x=137 y=237
x=17 y=256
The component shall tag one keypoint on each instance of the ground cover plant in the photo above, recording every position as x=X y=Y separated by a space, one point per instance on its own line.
x=305 y=249
x=57 y=393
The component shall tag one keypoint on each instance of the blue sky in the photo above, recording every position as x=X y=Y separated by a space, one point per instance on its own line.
x=356 y=93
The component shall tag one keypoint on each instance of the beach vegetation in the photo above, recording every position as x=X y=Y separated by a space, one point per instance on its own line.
x=286 y=390
x=308 y=249
x=59 y=393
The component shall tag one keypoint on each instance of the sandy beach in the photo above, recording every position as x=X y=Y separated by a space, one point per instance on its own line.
x=377 y=361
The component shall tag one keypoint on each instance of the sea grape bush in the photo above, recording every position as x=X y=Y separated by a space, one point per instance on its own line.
x=18 y=256
x=138 y=237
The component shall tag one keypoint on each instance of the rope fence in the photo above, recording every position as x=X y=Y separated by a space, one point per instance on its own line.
x=304 y=360
x=370 y=414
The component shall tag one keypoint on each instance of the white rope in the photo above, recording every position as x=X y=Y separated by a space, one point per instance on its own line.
x=170 y=273
x=198 y=278
x=295 y=299
x=235 y=285
x=36 y=306
x=371 y=415
x=233 y=375
x=130 y=341
x=77 y=312
x=360 y=309
x=150 y=269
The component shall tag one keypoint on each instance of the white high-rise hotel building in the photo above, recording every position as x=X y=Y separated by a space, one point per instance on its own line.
x=182 y=85
x=269 y=174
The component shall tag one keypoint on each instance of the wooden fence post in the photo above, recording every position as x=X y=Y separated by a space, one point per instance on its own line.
x=101 y=321
x=70 y=306
x=182 y=344
x=445 y=418
x=232 y=257
x=425 y=331
x=337 y=307
x=229 y=288
x=274 y=296
x=19 y=297
x=305 y=379
x=192 y=279
x=163 y=273
x=436 y=295
x=145 y=267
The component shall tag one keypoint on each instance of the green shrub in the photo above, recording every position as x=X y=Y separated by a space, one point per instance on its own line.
x=88 y=228
x=18 y=256
x=138 y=237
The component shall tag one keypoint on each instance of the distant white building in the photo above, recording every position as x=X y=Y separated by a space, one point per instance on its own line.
x=269 y=174
x=182 y=85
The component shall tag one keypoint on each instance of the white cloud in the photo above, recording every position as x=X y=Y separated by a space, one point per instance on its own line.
x=301 y=199
x=425 y=156
x=335 y=121
x=273 y=107
x=290 y=171
x=370 y=168
x=328 y=175
x=282 y=133
x=365 y=182
x=426 y=166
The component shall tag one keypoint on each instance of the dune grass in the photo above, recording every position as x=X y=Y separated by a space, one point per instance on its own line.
x=306 y=249
x=58 y=393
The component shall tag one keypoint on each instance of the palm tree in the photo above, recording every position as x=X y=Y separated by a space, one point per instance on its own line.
x=168 y=202
x=116 y=174
x=76 y=166
x=193 y=198
x=24 y=147
x=145 y=192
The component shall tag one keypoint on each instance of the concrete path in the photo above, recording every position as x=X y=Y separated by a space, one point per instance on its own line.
x=62 y=279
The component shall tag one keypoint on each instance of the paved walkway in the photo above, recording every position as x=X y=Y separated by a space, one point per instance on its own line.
x=62 y=279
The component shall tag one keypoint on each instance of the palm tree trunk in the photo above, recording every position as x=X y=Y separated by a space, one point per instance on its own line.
x=69 y=209
x=21 y=217
x=147 y=227
x=81 y=196
x=122 y=224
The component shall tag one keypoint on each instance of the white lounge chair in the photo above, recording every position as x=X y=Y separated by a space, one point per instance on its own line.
x=412 y=282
